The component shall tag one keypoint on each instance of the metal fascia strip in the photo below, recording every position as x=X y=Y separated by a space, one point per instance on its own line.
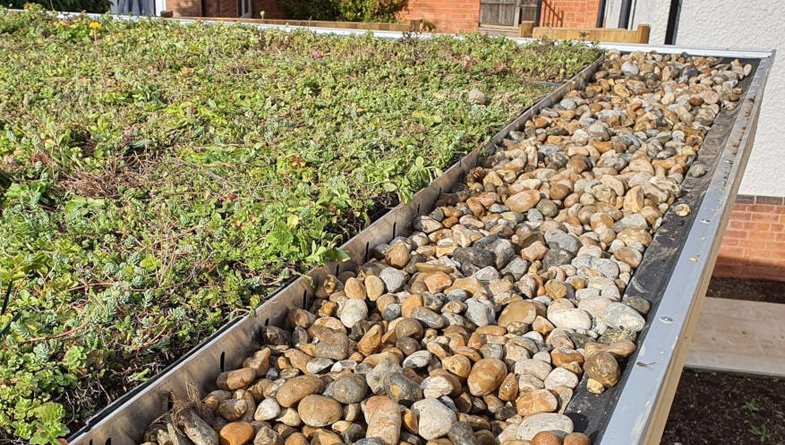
x=644 y=394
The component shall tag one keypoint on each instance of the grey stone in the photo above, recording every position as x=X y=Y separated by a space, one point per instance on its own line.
x=480 y=313
x=417 y=360
x=349 y=388
x=461 y=433
x=317 y=365
x=474 y=255
x=556 y=257
x=621 y=316
x=393 y=279
x=401 y=389
x=562 y=240
x=428 y=317
x=375 y=377
x=352 y=311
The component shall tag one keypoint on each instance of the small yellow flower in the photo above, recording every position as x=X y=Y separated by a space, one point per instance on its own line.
x=95 y=26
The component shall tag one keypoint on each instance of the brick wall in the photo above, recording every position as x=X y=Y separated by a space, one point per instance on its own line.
x=754 y=243
x=219 y=8
x=448 y=16
x=270 y=8
x=569 y=13
x=185 y=8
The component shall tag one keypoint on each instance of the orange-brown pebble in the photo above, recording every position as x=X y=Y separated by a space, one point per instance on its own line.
x=577 y=439
x=296 y=439
x=236 y=433
x=546 y=438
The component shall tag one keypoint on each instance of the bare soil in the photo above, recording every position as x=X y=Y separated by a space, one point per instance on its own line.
x=724 y=408
x=750 y=290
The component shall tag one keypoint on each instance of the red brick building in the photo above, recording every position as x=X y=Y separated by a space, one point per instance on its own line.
x=569 y=13
x=448 y=16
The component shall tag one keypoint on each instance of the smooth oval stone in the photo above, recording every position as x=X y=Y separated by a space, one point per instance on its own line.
x=353 y=311
x=267 y=409
x=318 y=411
x=561 y=377
x=577 y=439
x=236 y=433
x=417 y=360
x=521 y=311
x=297 y=388
x=546 y=438
x=409 y=327
x=623 y=317
x=603 y=367
x=435 y=419
x=570 y=319
x=556 y=423
x=239 y=378
x=486 y=376
x=349 y=388
x=408 y=345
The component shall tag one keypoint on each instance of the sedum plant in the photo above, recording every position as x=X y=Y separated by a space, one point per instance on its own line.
x=158 y=180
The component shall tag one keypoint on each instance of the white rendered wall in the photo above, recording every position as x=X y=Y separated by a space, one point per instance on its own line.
x=742 y=24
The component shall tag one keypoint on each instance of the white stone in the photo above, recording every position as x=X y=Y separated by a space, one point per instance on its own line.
x=435 y=419
x=561 y=377
x=558 y=424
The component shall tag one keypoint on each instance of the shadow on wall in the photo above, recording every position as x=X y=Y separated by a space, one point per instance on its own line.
x=734 y=267
x=550 y=16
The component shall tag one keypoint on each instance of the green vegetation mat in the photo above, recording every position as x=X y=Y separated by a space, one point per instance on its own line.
x=158 y=180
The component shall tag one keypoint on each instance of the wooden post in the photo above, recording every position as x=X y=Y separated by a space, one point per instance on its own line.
x=526 y=29
x=643 y=33
x=639 y=35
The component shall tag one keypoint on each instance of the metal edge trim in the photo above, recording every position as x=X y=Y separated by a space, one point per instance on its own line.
x=630 y=421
